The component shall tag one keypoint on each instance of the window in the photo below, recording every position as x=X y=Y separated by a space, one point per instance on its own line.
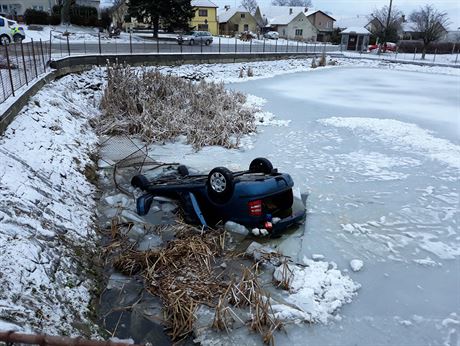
x=39 y=8
x=2 y=22
x=203 y=13
x=298 y=32
x=243 y=15
x=236 y=28
x=328 y=24
x=203 y=27
x=246 y=27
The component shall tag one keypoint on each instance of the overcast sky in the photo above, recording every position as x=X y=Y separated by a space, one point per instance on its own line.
x=347 y=8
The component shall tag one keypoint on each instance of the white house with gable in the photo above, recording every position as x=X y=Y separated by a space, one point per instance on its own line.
x=290 y=22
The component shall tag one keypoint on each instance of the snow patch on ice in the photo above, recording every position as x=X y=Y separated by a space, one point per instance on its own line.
x=356 y=265
x=404 y=136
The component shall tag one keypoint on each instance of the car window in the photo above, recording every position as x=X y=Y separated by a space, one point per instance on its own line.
x=10 y=23
x=2 y=22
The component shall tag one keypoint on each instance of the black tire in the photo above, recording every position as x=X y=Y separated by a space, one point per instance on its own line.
x=220 y=184
x=261 y=165
x=140 y=181
x=192 y=42
x=4 y=40
x=17 y=38
x=207 y=42
x=183 y=171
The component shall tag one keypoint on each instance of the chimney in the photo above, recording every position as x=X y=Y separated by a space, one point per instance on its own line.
x=227 y=7
x=290 y=11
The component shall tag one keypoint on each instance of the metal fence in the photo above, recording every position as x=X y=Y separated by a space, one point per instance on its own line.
x=20 y=64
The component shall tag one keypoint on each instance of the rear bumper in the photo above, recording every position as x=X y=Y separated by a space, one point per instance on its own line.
x=296 y=217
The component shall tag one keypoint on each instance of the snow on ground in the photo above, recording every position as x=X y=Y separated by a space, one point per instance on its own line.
x=47 y=209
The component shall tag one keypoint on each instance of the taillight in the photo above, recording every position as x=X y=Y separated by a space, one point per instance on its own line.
x=255 y=208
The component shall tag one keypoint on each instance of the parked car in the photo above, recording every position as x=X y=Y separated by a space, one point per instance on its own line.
x=10 y=31
x=260 y=197
x=273 y=35
x=389 y=46
x=195 y=37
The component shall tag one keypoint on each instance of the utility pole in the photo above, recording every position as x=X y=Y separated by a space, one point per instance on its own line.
x=388 y=23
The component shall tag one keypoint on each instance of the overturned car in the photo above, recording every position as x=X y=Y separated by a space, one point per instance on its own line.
x=260 y=197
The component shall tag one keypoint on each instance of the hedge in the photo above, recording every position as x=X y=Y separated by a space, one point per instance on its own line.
x=36 y=17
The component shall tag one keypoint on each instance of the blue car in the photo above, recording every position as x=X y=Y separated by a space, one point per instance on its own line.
x=260 y=197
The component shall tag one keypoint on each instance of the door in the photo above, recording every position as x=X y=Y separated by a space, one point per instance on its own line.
x=352 y=42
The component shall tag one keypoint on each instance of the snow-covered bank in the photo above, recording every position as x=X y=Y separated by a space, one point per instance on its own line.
x=47 y=208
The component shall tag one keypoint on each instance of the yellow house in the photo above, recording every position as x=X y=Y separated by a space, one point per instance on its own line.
x=205 y=18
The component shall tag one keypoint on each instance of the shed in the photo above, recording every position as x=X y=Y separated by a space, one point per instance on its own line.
x=355 y=38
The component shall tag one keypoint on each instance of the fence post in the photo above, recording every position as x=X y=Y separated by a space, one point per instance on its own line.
x=415 y=52
x=435 y=52
x=456 y=58
x=297 y=48
x=84 y=45
x=250 y=46
x=276 y=45
x=50 y=44
x=130 y=42
x=68 y=45
x=17 y=62
x=314 y=49
x=453 y=49
x=3 y=87
x=263 y=47
x=43 y=55
x=236 y=45
x=24 y=63
x=9 y=68
x=158 y=45
x=35 y=61
x=99 y=41
x=219 y=44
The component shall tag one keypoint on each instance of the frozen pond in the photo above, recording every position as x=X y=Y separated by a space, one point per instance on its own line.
x=379 y=153
x=383 y=191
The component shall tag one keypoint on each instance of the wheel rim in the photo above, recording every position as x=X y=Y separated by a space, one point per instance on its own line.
x=4 y=40
x=218 y=182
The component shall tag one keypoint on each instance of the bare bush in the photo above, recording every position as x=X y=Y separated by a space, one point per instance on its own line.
x=159 y=108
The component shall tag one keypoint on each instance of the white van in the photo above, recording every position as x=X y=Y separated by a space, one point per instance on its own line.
x=10 y=31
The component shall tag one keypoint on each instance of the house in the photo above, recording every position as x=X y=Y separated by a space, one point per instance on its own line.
x=323 y=22
x=410 y=33
x=18 y=7
x=290 y=22
x=205 y=17
x=234 y=21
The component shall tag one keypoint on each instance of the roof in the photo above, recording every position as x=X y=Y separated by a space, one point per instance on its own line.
x=356 y=30
x=225 y=15
x=358 y=20
x=280 y=15
x=203 y=3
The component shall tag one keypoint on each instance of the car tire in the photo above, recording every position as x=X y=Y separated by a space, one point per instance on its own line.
x=140 y=181
x=183 y=171
x=261 y=165
x=220 y=184
x=17 y=38
x=5 y=40
x=207 y=42
x=192 y=42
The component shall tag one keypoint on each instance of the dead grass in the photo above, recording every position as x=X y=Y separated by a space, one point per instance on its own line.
x=159 y=108
x=186 y=273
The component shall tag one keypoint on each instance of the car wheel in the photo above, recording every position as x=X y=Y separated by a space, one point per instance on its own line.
x=5 y=40
x=17 y=38
x=140 y=181
x=208 y=42
x=261 y=165
x=220 y=184
x=183 y=170
x=192 y=42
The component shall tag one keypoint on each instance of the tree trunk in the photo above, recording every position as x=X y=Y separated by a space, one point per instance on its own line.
x=65 y=12
x=423 y=52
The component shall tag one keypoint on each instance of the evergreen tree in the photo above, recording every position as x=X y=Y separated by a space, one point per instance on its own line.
x=172 y=14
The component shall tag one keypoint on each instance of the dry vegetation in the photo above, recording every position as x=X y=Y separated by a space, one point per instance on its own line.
x=158 y=108
x=187 y=272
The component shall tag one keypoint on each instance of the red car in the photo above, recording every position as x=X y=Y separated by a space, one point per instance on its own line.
x=389 y=46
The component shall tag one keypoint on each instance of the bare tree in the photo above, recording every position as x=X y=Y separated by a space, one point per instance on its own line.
x=249 y=5
x=118 y=11
x=379 y=20
x=304 y=3
x=430 y=23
